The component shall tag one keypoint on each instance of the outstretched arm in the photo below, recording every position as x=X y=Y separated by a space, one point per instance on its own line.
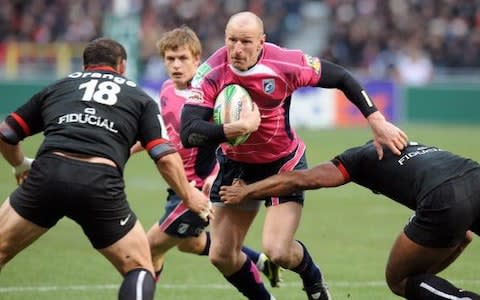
x=323 y=175
x=384 y=132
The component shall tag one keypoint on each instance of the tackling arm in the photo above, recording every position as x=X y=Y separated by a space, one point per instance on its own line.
x=172 y=170
x=323 y=175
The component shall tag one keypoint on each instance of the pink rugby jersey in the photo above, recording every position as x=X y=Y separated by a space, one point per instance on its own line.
x=270 y=83
x=171 y=104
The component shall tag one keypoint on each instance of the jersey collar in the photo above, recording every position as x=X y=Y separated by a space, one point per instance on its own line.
x=101 y=68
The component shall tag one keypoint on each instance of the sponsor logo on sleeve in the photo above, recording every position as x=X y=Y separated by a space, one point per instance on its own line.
x=200 y=74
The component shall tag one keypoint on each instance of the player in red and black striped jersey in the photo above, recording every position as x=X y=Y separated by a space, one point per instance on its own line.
x=90 y=120
x=442 y=188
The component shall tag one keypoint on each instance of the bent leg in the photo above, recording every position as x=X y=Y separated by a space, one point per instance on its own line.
x=160 y=243
x=131 y=257
x=16 y=233
x=199 y=245
x=228 y=231
x=409 y=266
x=281 y=224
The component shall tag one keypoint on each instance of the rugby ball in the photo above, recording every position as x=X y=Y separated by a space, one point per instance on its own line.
x=228 y=106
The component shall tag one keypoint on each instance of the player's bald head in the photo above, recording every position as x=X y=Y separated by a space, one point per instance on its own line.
x=247 y=21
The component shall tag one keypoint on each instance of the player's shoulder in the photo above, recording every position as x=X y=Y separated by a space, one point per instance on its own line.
x=364 y=151
x=273 y=52
x=214 y=67
x=167 y=85
x=219 y=57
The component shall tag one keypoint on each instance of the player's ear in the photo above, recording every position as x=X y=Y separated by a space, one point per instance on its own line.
x=122 y=66
x=197 y=59
x=262 y=41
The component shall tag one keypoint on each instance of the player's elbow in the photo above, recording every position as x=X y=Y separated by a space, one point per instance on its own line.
x=191 y=139
x=188 y=135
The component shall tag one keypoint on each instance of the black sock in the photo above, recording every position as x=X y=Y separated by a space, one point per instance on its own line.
x=247 y=280
x=307 y=270
x=133 y=279
x=207 y=244
x=431 y=287
x=252 y=254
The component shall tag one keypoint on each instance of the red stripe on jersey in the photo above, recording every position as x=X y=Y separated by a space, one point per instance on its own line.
x=21 y=122
x=343 y=170
x=153 y=143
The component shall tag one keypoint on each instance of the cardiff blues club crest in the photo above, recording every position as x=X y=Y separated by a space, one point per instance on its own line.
x=269 y=85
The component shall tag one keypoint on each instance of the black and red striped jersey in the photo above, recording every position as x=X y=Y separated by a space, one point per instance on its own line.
x=96 y=112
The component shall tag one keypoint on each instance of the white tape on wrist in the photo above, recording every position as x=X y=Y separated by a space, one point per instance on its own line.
x=24 y=166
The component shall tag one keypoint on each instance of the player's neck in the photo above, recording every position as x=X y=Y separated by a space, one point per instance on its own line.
x=101 y=68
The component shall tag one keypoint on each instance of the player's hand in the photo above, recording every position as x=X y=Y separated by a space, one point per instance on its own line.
x=200 y=203
x=21 y=171
x=250 y=118
x=234 y=193
x=386 y=134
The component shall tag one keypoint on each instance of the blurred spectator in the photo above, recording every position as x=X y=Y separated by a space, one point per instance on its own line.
x=375 y=36
x=44 y=21
x=413 y=64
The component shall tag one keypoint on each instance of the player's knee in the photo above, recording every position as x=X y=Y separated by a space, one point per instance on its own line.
x=277 y=254
x=395 y=283
x=220 y=259
x=5 y=255
x=137 y=284
x=467 y=240
x=190 y=246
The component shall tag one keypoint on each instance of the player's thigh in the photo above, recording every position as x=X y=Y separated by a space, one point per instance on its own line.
x=130 y=252
x=194 y=245
x=159 y=241
x=229 y=228
x=407 y=258
x=281 y=224
x=179 y=221
x=16 y=232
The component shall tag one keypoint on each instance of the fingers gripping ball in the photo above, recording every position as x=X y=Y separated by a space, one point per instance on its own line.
x=228 y=106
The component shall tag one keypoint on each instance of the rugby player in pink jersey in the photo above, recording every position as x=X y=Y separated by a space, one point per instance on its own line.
x=181 y=51
x=270 y=74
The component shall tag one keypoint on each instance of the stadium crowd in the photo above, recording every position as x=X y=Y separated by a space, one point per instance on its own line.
x=381 y=37
x=375 y=37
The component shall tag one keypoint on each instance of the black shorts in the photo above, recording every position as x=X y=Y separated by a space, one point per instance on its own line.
x=90 y=194
x=230 y=170
x=446 y=213
x=178 y=220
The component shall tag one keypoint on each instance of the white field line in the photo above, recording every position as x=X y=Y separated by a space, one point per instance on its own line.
x=336 y=284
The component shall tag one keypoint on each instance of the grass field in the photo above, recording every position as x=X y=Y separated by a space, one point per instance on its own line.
x=348 y=230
